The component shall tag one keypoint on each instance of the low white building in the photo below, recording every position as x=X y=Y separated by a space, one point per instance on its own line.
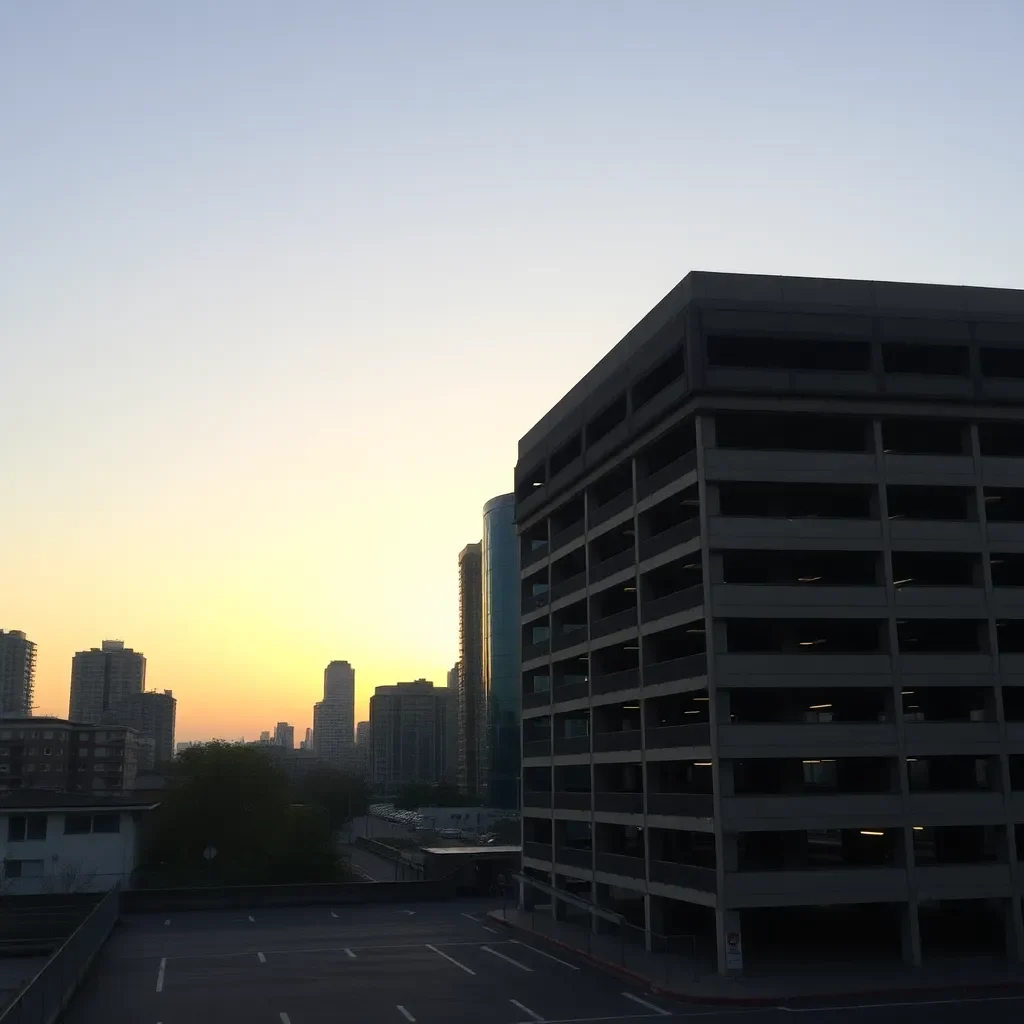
x=67 y=842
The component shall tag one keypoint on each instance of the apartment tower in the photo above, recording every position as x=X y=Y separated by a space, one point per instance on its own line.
x=17 y=674
x=103 y=677
x=471 y=705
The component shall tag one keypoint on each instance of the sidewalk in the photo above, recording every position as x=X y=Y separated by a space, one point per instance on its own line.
x=695 y=981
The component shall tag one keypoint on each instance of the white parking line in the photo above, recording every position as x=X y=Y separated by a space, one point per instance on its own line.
x=450 y=959
x=285 y=1019
x=526 y=1009
x=263 y=959
x=348 y=952
x=333 y=914
x=533 y=949
x=491 y=930
x=251 y=918
x=471 y=918
x=168 y=921
x=494 y=952
x=160 y=974
x=405 y=1013
x=650 y=1006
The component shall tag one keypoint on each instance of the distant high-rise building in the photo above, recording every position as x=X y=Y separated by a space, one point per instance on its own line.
x=284 y=735
x=307 y=743
x=500 y=686
x=407 y=727
x=103 y=677
x=151 y=714
x=17 y=673
x=362 y=753
x=334 y=716
x=264 y=737
x=451 y=740
x=470 y=669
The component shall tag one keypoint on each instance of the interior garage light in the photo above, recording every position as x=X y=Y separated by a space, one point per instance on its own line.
x=702 y=764
x=899 y=583
x=869 y=832
x=702 y=698
x=818 y=707
x=919 y=828
x=811 y=643
x=807 y=579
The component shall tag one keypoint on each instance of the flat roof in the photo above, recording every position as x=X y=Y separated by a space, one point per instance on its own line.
x=471 y=849
x=766 y=291
x=51 y=800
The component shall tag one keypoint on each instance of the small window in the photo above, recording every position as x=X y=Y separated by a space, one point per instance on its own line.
x=30 y=750
x=30 y=767
x=5 y=769
x=77 y=824
x=23 y=868
x=106 y=823
x=48 y=734
x=83 y=736
x=6 y=734
x=47 y=751
x=16 y=828
x=5 y=751
x=83 y=751
x=36 y=827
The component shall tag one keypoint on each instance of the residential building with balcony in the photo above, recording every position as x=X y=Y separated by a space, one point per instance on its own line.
x=407 y=735
x=70 y=757
x=772 y=590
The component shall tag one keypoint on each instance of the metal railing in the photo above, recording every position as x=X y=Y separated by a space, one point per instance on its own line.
x=45 y=997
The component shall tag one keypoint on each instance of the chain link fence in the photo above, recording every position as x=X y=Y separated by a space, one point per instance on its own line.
x=46 y=996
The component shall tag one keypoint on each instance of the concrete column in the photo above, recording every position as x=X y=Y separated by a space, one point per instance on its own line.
x=1014 y=930
x=729 y=940
x=654 y=919
x=910 y=934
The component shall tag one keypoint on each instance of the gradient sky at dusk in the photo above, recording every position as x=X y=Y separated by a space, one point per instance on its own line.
x=282 y=285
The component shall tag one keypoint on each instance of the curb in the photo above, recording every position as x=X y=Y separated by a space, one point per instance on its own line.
x=906 y=994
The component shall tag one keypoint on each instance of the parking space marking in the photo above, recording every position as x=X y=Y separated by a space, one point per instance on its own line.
x=263 y=959
x=450 y=959
x=526 y=1009
x=251 y=918
x=472 y=918
x=348 y=952
x=649 y=1006
x=333 y=914
x=533 y=949
x=160 y=974
x=168 y=921
x=494 y=952
x=285 y=1019
x=491 y=930
x=405 y=1013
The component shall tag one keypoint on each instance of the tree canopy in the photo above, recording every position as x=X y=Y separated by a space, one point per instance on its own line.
x=264 y=828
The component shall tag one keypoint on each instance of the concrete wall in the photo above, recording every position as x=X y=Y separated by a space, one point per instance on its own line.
x=322 y=894
x=99 y=859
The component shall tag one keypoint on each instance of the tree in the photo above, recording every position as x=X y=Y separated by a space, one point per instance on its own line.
x=343 y=796
x=69 y=877
x=237 y=802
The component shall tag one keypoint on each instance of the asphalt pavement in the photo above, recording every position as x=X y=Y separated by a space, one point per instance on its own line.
x=433 y=963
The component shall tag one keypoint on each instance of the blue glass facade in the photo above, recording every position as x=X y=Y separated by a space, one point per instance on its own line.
x=500 y=579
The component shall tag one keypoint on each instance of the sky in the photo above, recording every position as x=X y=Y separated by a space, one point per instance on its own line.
x=282 y=285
